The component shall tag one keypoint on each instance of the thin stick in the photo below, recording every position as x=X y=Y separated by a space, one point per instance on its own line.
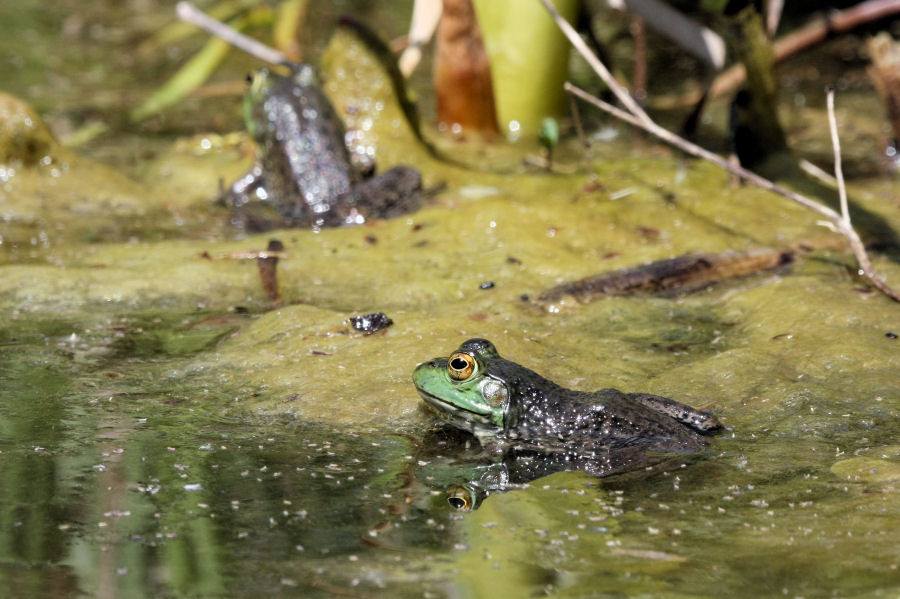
x=639 y=79
x=836 y=142
x=189 y=13
x=699 y=152
x=839 y=224
x=595 y=63
x=576 y=119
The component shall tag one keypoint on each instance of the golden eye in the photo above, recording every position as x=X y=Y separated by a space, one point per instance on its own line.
x=459 y=498
x=460 y=366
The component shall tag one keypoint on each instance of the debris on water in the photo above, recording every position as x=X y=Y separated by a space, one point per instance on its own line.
x=268 y=262
x=370 y=323
x=478 y=191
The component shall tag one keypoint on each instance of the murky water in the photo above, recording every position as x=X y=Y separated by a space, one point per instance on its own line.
x=165 y=432
x=120 y=479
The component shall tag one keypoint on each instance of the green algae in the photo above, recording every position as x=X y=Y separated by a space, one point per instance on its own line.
x=24 y=138
x=52 y=199
x=534 y=230
x=871 y=469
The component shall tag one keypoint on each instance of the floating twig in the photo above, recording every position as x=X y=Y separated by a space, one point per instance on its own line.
x=637 y=117
x=268 y=263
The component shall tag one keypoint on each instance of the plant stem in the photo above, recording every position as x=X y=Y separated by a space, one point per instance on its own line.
x=595 y=63
x=836 y=142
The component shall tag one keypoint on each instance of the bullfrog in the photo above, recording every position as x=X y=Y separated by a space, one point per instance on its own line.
x=304 y=175
x=515 y=412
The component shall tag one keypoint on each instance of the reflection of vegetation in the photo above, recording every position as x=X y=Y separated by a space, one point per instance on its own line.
x=167 y=500
x=32 y=433
x=37 y=491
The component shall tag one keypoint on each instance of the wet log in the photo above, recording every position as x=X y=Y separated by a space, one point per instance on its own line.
x=689 y=272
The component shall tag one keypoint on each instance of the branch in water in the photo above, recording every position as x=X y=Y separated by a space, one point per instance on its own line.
x=689 y=272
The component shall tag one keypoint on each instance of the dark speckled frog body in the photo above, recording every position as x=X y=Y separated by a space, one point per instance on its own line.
x=304 y=176
x=512 y=409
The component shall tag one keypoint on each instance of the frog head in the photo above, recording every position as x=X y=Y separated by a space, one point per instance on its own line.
x=264 y=83
x=463 y=388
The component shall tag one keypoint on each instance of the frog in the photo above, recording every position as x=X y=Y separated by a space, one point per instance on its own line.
x=304 y=175
x=518 y=414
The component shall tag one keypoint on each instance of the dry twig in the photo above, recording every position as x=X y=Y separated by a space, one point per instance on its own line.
x=637 y=117
x=836 y=142
x=189 y=13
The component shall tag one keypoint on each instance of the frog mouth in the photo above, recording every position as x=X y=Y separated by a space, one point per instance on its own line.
x=445 y=408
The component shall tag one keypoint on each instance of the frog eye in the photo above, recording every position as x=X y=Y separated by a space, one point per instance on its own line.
x=459 y=498
x=460 y=366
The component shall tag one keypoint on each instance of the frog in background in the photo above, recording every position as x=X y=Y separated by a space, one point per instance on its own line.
x=304 y=175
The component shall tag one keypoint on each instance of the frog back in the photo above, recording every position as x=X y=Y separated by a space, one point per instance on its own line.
x=303 y=150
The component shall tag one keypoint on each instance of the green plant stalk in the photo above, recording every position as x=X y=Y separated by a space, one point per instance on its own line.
x=288 y=25
x=197 y=70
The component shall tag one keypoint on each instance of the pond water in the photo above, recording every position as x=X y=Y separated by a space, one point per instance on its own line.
x=166 y=432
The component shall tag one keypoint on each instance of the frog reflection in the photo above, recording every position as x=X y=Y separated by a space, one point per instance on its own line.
x=453 y=463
